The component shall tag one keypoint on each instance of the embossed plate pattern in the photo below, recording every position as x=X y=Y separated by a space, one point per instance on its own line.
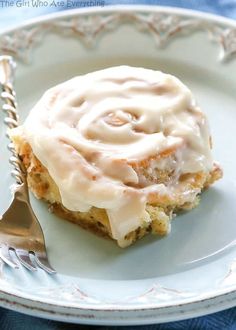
x=193 y=270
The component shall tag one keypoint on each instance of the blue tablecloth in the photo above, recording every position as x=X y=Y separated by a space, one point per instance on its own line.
x=226 y=320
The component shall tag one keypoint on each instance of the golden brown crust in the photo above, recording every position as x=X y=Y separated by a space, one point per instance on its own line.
x=95 y=220
x=160 y=207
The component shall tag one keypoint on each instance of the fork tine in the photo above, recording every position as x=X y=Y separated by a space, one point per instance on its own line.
x=24 y=259
x=43 y=263
x=5 y=256
x=22 y=222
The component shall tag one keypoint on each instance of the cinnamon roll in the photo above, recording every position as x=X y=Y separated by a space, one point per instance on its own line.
x=118 y=151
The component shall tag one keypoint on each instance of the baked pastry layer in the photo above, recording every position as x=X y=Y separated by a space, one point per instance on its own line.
x=161 y=210
x=118 y=151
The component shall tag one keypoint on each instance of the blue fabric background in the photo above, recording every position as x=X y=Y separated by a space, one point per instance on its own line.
x=225 y=320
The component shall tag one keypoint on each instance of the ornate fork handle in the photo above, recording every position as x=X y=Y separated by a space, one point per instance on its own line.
x=11 y=120
x=20 y=230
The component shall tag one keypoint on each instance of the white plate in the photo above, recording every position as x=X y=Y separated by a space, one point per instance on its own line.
x=192 y=271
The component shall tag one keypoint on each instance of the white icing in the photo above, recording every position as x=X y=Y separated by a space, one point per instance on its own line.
x=89 y=130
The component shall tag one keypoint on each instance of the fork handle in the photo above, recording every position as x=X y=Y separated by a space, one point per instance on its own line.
x=7 y=70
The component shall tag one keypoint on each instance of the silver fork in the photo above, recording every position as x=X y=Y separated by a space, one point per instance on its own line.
x=21 y=236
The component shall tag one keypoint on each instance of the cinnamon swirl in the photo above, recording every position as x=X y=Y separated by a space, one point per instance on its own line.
x=118 y=151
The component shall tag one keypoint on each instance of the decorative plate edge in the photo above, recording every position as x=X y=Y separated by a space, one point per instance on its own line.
x=162 y=26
